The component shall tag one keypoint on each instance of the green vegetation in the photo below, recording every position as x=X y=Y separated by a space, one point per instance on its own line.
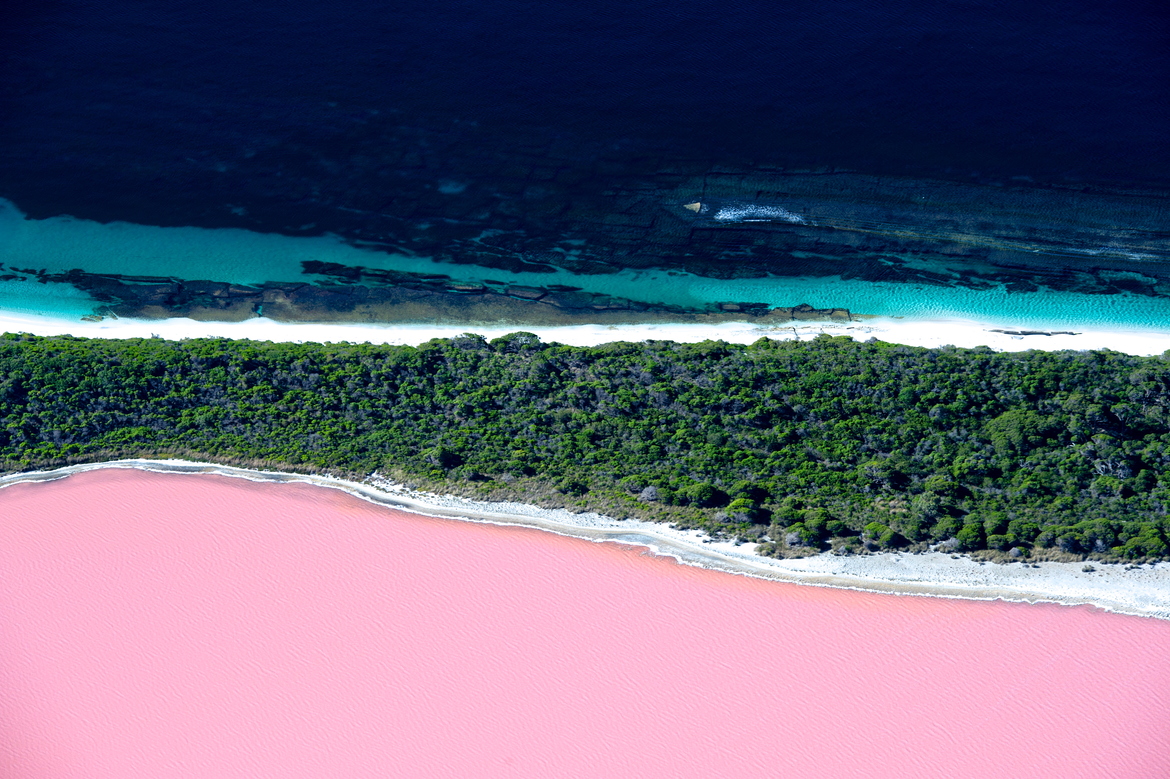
x=801 y=446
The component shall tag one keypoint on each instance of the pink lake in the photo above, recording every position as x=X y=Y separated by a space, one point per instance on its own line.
x=199 y=626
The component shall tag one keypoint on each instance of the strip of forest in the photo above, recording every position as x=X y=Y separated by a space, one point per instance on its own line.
x=799 y=447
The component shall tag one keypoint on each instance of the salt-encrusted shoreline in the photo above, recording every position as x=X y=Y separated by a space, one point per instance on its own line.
x=1141 y=591
x=930 y=332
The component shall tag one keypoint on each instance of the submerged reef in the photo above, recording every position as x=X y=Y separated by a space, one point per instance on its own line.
x=469 y=195
x=356 y=294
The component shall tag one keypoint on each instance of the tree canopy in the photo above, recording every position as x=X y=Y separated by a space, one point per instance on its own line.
x=797 y=445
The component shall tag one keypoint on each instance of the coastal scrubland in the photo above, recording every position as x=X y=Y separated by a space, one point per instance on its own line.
x=799 y=446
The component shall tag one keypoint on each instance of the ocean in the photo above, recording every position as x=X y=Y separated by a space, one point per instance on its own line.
x=987 y=160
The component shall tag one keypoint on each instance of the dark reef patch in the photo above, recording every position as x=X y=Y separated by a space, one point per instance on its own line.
x=354 y=294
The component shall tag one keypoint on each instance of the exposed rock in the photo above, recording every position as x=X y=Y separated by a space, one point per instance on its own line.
x=365 y=294
x=805 y=312
x=1034 y=332
x=526 y=293
x=747 y=308
x=467 y=289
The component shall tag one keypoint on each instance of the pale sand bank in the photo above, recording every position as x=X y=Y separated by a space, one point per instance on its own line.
x=912 y=332
x=1142 y=591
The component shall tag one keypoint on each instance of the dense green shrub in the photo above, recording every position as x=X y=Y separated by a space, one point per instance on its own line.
x=829 y=441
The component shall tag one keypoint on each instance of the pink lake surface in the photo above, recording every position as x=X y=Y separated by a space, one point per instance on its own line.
x=198 y=626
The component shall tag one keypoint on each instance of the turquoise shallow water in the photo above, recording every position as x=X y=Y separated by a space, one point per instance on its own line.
x=31 y=297
x=240 y=256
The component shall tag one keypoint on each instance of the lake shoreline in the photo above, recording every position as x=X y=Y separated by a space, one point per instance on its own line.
x=1139 y=591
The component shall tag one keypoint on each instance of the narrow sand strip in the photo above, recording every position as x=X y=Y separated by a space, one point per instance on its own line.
x=931 y=333
x=1142 y=591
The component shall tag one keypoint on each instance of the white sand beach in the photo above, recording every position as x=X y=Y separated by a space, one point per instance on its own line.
x=912 y=332
x=1140 y=591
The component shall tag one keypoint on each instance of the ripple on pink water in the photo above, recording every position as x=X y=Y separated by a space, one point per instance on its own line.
x=176 y=626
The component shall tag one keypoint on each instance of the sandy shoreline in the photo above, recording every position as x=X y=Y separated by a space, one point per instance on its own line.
x=913 y=332
x=1142 y=591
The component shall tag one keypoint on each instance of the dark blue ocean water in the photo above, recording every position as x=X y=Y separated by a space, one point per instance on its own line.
x=1031 y=88
x=281 y=116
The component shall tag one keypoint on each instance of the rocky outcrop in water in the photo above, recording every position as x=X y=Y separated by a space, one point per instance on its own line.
x=368 y=295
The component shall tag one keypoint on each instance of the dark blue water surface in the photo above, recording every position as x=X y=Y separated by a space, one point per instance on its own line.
x=1028 y=88
x=378 y=121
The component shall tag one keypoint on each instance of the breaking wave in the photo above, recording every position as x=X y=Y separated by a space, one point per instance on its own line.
x=754 y=213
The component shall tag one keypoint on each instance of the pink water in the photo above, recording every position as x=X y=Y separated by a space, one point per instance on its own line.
x=195 y=626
